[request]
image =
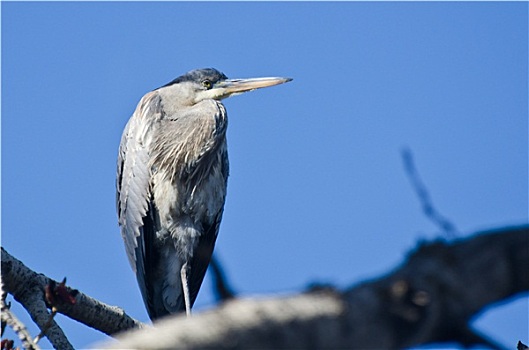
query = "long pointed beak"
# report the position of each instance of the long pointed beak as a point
(232, 87)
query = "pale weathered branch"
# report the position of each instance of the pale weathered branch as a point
(431, 298)
(28, 287)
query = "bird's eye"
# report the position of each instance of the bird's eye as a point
(206, 84)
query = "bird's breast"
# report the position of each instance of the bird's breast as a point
(189, 168)
(186, 208)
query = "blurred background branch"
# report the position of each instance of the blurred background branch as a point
(432, 297)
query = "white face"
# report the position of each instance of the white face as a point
(215, 94)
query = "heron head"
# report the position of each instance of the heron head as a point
(209, 83)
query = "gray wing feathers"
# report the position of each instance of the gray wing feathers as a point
(133, 177)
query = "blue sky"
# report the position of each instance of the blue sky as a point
(317, 190)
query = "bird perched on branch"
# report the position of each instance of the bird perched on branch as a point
(171, 184)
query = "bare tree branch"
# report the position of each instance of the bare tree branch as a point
(431, 298)
(28, 287)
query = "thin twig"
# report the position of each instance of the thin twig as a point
(46, 326)
(18, 327)
(424, 197)
(222, 289)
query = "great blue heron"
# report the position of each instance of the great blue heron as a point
(171, 184)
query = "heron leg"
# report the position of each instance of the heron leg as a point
(185, 287)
